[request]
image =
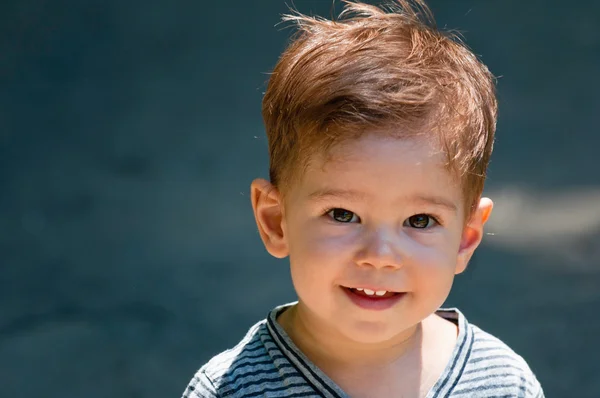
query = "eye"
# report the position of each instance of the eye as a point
(342, 215)
(420, 221)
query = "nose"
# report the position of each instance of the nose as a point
(382, 249)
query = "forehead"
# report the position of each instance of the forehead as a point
(417, 150)
(379, 165)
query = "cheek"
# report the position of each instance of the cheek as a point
(318, 240)
(434, 262)
(431, 273)
(313, 269)
(318, 257)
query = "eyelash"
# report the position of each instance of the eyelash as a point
(436, 219)
(330, 209)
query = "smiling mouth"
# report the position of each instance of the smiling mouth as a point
(372, 294)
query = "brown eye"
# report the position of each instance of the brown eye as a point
(342, 215)
(420, 221)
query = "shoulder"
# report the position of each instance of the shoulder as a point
(493, 367)
(221, 374)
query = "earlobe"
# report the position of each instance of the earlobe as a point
(268, 213)
(473, 233)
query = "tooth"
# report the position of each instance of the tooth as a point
(380, 292)
(369, 292)
(360, 289)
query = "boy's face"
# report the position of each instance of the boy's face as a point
(381, 214)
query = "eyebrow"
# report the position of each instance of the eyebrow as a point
(351, 195)
(438, 201)
(348, 194)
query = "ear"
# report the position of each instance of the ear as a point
(473, 233)
(268, 212)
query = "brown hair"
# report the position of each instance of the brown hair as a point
(384, 68)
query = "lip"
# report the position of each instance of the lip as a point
(375, 303)
(375, 289)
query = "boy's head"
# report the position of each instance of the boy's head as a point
(380, 130)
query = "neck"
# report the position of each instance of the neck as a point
(332, 351)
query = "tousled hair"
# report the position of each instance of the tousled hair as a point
(379, 68)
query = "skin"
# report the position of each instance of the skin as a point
(402, 229)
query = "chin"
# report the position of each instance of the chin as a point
(372, 332)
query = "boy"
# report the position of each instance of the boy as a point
(380, 130)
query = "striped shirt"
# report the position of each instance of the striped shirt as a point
(266, 363)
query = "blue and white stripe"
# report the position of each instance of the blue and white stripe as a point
(266, 363)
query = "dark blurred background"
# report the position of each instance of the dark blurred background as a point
(130, 132)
